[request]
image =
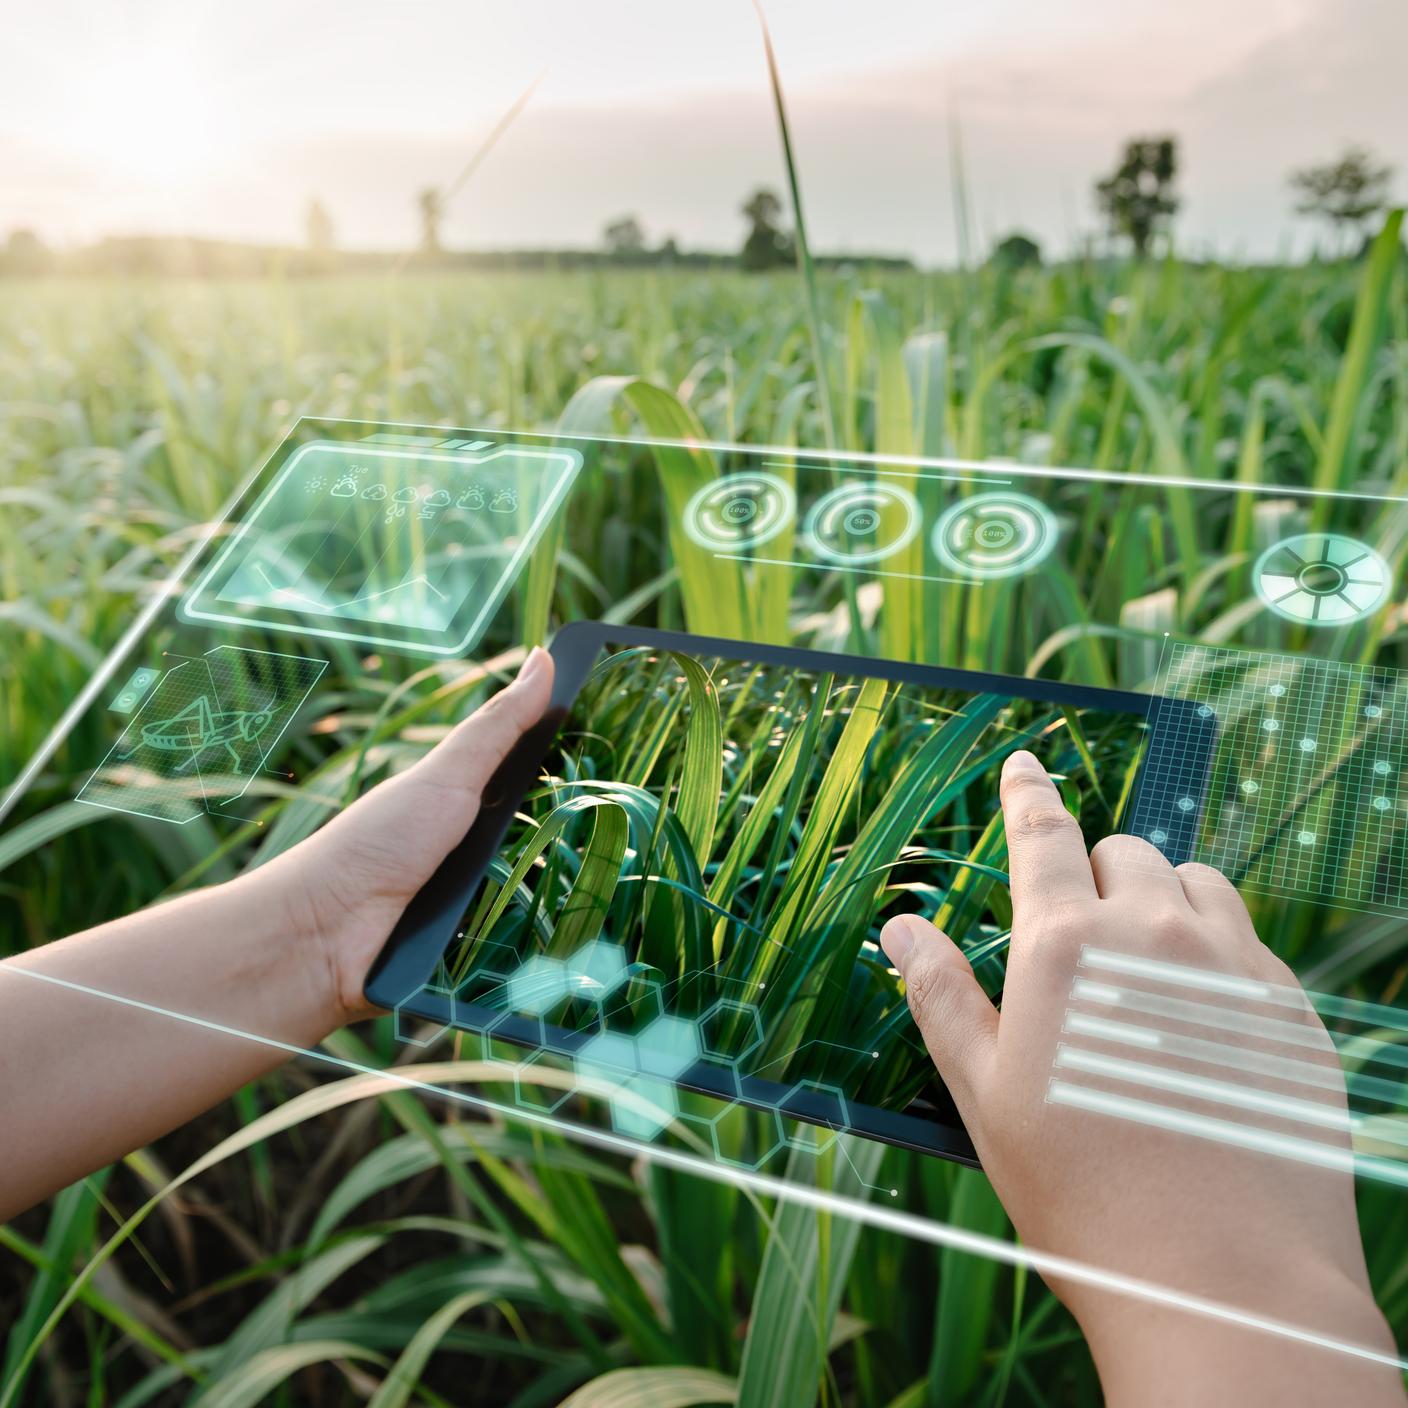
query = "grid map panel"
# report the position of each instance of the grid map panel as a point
(1304, 789)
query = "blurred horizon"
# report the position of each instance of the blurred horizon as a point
(222, 123)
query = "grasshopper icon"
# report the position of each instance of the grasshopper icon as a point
(198, 727)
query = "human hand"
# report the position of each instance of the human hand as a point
(1250, 1229)
(342, 890)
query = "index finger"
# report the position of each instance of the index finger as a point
(1045, 848)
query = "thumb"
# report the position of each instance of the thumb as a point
(393, 838)
(955, 1016)
(468, 756)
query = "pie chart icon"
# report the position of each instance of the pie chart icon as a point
(994, 535)
(740, 512)
(1322, 579)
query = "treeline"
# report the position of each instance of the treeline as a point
(192, 257)
(1138, 201)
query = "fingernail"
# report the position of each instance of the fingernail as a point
(897, 938)
(532, 666)
(1022, 761)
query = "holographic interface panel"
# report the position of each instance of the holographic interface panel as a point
(202, 735)
(403, 546)
(1306, 792)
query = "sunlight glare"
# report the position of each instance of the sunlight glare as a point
(146, 113)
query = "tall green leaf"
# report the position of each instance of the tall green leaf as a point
(801, 1283)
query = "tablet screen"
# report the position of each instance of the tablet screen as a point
(693, 889)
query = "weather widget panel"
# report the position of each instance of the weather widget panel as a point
(402, 547)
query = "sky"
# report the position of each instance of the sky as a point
(226, 119)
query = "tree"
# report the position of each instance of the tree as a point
(767, 244)
(432, 211)
(1138, 197)
(1017, 251)
(320, 231)
(625, 239)
(1345, 193)
(25, 253)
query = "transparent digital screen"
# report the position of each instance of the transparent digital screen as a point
(402, 547)
(1306, 790)
(203, 732)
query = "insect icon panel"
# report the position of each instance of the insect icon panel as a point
(405, 548)
(203, 735)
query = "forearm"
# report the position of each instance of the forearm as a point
(87, 1079)
(1151, 1357)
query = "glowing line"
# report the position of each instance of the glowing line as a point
(1096, 992)
(812, 1041)
(841, 567)
(906, 1224)
(1261, 1141)
(942, 478)
(1206, 1015)
(1118, 1031)
(421, 581)
(840, 1145)
(790, 453)
(1222, 1092)
(1275, 994)
(1375, 1013)
(1216, 1053)
(1181, 976)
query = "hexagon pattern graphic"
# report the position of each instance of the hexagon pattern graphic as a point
(537, 984)
(634, 1071)
(596, 969)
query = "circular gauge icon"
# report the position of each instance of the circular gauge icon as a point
(857, 523)
(994, 535)
(1322, 579)
(740, 511)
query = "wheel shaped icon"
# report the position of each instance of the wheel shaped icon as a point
(1322, 579)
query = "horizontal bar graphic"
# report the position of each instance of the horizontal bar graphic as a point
(1206, 1015)
(1265, 1141)
(1221, 1092)
(1218, 1053)
(1351, 1009)
(1180, 975)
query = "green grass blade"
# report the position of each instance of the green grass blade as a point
(802, 1280)
(268, 1324)
(701, 779)
(804, 253)
(965, 1312)
(272, 1368)
(654, 1388)
(396, 1388)
(1338, 463)
(584, 911)
(72, 1224)
(695, 1220)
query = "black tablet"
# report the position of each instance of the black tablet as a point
(677, 881)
